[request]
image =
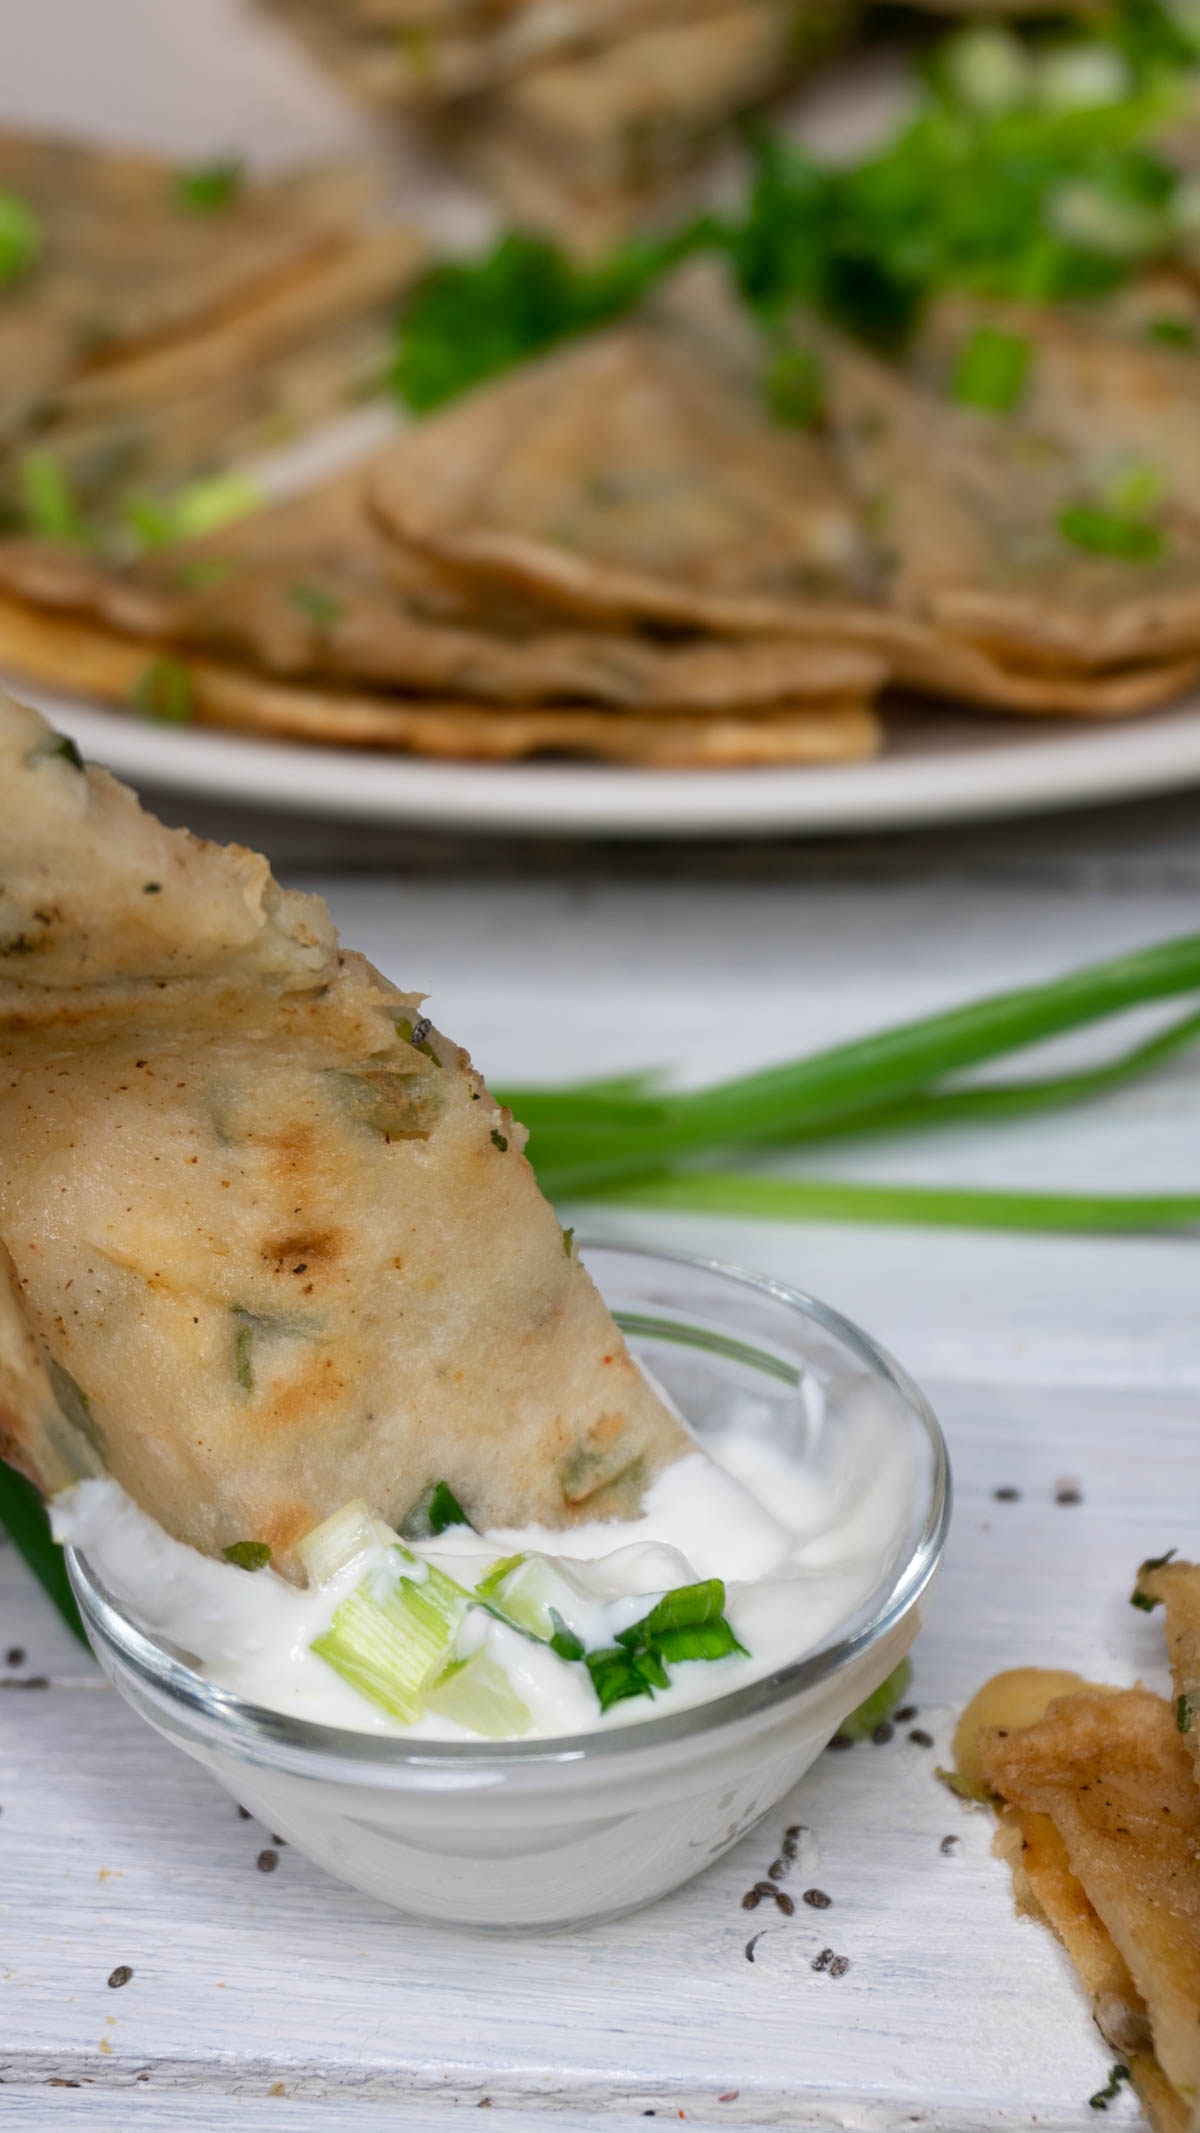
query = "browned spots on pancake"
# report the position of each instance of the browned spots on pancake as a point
(296, 1403)
(305, 1250)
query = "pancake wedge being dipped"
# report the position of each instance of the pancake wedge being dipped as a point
(267, 1243)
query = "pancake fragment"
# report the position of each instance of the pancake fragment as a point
(1176, 1586)
(1110, 1771)
(269, 1243)
(63, 652)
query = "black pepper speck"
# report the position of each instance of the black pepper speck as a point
(950, 1845)
(15, 1655)
(1007, 1495)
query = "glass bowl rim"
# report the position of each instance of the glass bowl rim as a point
(303, 1744)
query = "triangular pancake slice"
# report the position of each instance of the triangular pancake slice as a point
(270, 1242)
(1004, 529)
(133, 252)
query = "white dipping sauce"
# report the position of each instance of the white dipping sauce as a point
(801, 1543)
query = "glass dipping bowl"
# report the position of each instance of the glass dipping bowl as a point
(538, 1835)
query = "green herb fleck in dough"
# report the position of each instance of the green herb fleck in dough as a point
(208, 188)
(499, 1141)
(243, 1361)
(318, 606)
(20, 236)
(163, 691)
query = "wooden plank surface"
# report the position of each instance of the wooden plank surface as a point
(262, 1999)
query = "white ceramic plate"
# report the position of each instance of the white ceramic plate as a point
(945, 768)
(214, 78)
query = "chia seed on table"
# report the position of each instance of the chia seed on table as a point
(817, 1899)
(883, 1733)
(920, 1738)
(267, 1861)
(120, 1976)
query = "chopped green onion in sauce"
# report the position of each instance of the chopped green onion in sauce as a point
(247, 1555)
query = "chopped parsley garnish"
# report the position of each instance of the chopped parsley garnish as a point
(20, 236)
(1121, 534)
(163, 691)
(1026, 173)
(208, 188)
(318, 606)
(445, 1509)
(568, 1241)
(1187, 1707)
(471, 319)
(500, 1141)
(247, 1555)
(993, 370)
(564, 1641)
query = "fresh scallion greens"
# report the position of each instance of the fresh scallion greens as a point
(993, 370)
(1123, 534)
(20, 236)
(1028, 171)
(47, 505)
(26, 1521)
(394, 1635)
(576, 1153)
(879, 1705)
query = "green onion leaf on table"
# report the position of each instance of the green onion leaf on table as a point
(24, 1518)
(834, 1089)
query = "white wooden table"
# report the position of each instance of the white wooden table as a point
(281, 2001)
